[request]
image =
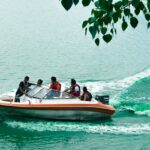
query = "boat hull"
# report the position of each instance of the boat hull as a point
(56, 114)
(58, 111)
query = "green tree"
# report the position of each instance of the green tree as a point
(105, 14)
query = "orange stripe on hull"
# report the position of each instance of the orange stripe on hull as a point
(82, 107)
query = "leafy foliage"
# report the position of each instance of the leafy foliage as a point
(105, 14)
(67, 4)
(133, 22)
(107, 38)
(86, 2)
(124, 26)
(97, 41)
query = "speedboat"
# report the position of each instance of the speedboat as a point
(40, 102)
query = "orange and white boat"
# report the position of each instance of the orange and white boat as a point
(39, 104)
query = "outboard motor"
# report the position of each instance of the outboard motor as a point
(103, 99)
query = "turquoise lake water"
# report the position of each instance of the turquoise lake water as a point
(40, 39)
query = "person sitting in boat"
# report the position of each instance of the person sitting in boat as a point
(86, 96)
(39, 82)
(55, 87)
(36, 88)
(74, 89)
(23, 88)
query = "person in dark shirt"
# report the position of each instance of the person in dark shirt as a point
(23, 88)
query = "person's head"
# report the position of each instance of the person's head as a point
(53, 79)
(26, 79)
(73, 81)
(84, 89)
(39, 82)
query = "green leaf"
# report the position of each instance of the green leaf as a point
(112, 31)
(135, 3)
(107, 38)
(97, 41)
(125, 2)
(67, 4)
(100, 21)
(93, 31)
(119, 13)
(147, 17)
(107, 20)
(84, 24)
(75, 2)
(91, 20)
(124, 25)
(141, 5)
(133, 22)
(127, 11)
(148, 5)
(105, 5)
(103, 30)
(131, 15)
(115, 17)
(86, 2)
(145, 10)
(137, 11)
(97, 4)
(96, 13)
(118, 5)
(138, 7)
(96, 25)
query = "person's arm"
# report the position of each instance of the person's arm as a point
(31, 84)
(86, 97)
(66, 90)
(81, 97)
(51, 86)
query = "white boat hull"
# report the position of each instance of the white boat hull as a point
(56, 114)
(59, 109)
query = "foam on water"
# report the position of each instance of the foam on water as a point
(116, 85)
(145, 113)
(133, 109)
(81, 127)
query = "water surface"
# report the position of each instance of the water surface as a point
(40, 39)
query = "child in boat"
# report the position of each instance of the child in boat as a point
(86, 96)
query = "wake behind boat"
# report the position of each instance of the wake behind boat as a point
(38, 103)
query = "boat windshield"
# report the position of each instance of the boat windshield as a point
(38, 92)
(43, 93)
(46, 93)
